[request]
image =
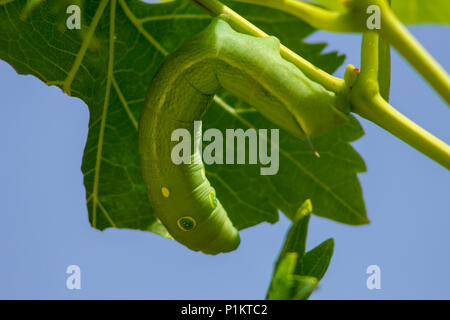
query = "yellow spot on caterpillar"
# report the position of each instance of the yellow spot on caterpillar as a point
(285, 74)
(246, 45)
(165, 192)
(203, 173)
(213, 199)
(186, 223)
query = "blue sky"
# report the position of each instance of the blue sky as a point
(44, 226)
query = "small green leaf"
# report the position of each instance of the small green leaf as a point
(304, 286)
(315, 262)
(282, 285)
(305, 209)
(297, 274)
(295, 240)
(288, 286)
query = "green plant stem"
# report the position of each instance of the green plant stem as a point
(315, 16)
(365, 97)
(216, 8)
(399, 37)
(377, 110)
(354, 20)
(368, 103)
(384, 67)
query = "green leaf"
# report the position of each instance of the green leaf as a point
(316, 261)
(296, 273)
(282, 284)
(109, 64)
(295, 240)
(422, 11)
(288, 286)
(304, 286)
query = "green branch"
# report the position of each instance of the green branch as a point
(315, 16)
(367, 102)
(354, 20)
(376, 109)
(401, 39)
(365, 96)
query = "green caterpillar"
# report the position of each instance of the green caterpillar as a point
(251, 69)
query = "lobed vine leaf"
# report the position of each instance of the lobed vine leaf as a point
(109, 64)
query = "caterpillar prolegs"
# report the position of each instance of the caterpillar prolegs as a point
(249, 68)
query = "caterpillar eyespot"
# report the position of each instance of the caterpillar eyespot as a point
(186, 223)
(213, 199)
(249, 68)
